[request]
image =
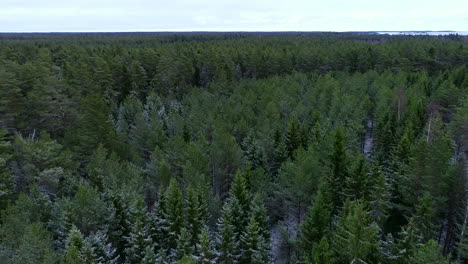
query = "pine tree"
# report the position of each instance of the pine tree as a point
(227, 243)
(205, 251)
(357, 237)
(254, 248)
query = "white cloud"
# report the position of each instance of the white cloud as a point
(251, 15)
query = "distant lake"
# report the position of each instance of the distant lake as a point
(431, 33)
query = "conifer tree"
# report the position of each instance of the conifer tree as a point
(120, 225)
(150, 257)
(227, 243)
(173, 214)
(187, 260)
(317, 222)
(75, 243)
(380, 197)
(339, 171)
(6, 177)
(156, 227)
(240, 201)
(184, 245)
(358, 184)
(357, 237)
(205, 250)
(253, 153)
(422, 220)
(292, 139)
(137, 242)
(195, 214)
(102, 250)
(429, 253)
(259, 212)
(254, 247)
(280, 152)
(321, 253)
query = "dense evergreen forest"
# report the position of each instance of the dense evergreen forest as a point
(230, 148)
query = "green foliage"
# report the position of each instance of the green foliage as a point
(356, 238)
(254, 247)
(205, 253)
(6, 176)
(129, 144)
(339, 171)
(227, 243)
(316, 224)
(429, 253)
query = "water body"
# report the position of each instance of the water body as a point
(429, 33)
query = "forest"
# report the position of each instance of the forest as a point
(233, 148)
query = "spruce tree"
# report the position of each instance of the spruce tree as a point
(429, 253)
(254, 247)
(358, 184)
(102, 250)
(292, 139)
(6, 177)
(205, 250)
(280, 153)
(75, 243)
(259, 212)
(253, 153)
(195, 214)
(240, 202)
(174, 214)
(227, 243)
(380, 197)
(184, 245)
(317, 222)
(339, 171)
(321, 253)
(422, 220)
(156, 227)
(150, 256)
(356, 238)
(137, 242)
(120, 225)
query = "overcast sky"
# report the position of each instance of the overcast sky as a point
(239, 15)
